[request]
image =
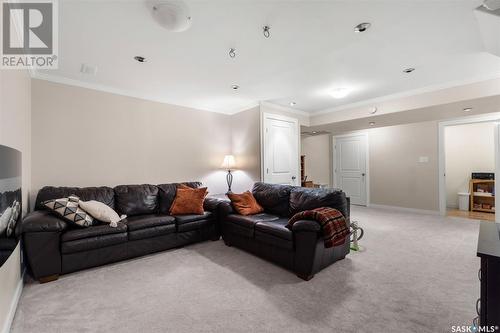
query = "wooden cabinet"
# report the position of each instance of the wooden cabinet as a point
(482, 195)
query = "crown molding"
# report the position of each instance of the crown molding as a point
(285, 108)
(103, 88)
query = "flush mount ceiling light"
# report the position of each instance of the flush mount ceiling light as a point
(139, 59)
(293, 103)
(467, 109)
(371, 123)
(362, 27)
(491, 4)
(340, 92)
(408, 70)
(172, 15)
(373, 110)
(235, 87)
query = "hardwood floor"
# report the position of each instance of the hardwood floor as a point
(471, 215)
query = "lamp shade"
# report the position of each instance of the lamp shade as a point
(229, 162)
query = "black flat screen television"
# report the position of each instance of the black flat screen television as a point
(10, 200)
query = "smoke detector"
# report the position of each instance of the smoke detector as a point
(172, 15)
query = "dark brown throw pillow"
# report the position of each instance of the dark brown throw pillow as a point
(245, 203)
(188, 200)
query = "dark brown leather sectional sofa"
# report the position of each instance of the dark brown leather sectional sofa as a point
(301, 249)
(54, 247)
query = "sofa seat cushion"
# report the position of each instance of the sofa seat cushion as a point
(91, 243)
(182, 219)
(151, 232)
(148, 221)
(193, 222)
(94, 231)
(276, 228)
(249, 221)
(245, 225)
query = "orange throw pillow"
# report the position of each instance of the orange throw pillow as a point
(245, 203)
(188, 201)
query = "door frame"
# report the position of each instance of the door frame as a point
(263, 123)
(492, 117)
(367, 159)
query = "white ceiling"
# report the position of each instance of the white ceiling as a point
(312, 50)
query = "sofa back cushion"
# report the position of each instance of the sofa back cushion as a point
(103, 194)
(275, 199)
(136, 199)
(302, 198)
(166, 194)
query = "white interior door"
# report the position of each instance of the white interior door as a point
(280, 150)
(350, 167)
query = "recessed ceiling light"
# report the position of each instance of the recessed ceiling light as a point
(371, 123)
(235, 87)
(293, 103)
(340, 92)
(362, 27)
(467, 109)
(139, 59)
(408, 70)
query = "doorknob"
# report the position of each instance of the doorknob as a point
(293, 177)
(363, 174)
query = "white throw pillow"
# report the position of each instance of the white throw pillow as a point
(4, 220)
(101, 212)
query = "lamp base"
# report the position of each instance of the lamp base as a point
(229, 180)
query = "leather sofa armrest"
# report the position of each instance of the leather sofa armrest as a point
(40, 221)
(306, 225)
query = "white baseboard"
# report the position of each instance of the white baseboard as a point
(13, 305)
(405, 209)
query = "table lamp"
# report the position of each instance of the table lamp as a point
(229, 163)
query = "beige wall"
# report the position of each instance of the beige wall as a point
(397, 178)
(317, 158)
(468, 148)
(245, 129)
(15, 131)
(84, 137)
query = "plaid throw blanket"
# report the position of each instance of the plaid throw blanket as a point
(332, 222)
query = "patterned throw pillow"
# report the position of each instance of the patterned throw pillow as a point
(68, 209)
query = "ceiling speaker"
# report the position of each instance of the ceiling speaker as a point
(172, 15)
(491, 4)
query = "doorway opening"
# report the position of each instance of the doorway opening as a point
(468, 164)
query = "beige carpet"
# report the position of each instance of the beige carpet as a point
(418, 273)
